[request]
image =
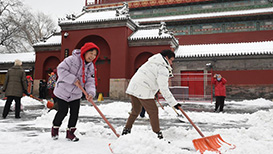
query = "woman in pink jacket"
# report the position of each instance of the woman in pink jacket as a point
(75, 70)
(220, 91)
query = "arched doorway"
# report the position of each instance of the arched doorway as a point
(141, 59)
(50, 64)
(102, 64)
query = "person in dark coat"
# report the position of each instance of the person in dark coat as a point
(42, 89)
(220, 91)
(14, 87)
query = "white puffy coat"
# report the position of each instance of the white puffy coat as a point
(151, 77)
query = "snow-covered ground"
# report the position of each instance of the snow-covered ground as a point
(252, 133)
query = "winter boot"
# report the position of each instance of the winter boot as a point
(70, 134)
(126, 131)
(55, 132)
(159, 135)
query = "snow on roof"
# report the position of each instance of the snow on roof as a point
(55, 39)
(148, 34)
(92, 16)
(24, 57)
(231, 49)
(206, 15)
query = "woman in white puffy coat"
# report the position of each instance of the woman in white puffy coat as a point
(150, 78)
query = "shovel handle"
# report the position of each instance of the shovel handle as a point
(165, 110)
(159, 103)
(197, 129)
(39, 99)
(176, 112)
(36, 98)
(101, 114)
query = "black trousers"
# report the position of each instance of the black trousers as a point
(63, 107)
(220, 101)
(42, 93)
(142, 113)
(8, 104)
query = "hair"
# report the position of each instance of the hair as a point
(168, 53)
(17, 62)
(92, 50)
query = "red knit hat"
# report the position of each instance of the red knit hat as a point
(30, 78)
(84, 49)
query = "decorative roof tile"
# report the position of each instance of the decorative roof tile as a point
(157, 31)
(230, 49)
(148, 34)
(55, 39)
(24, 57)
(96, 15)
(206, 15)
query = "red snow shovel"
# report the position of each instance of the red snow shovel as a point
(4, 98)
(210, 143)
(49, 104)
(101, 114)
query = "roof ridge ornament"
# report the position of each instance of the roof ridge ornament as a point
(123, 11)
(163, 29)
(71, 16)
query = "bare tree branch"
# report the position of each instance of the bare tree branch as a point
(20, 28)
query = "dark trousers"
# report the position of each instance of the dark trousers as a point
(42, 93)
(142, 113)
(220, 100)
(63, 107)
(150, 107)
(8, 104)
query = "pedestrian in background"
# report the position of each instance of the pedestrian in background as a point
(142, 113)
(50, 86)
(74, 71)
(14, 86)
(151, 77)
(219, 91)
(42, 89)
(51, 82)
(29, 84)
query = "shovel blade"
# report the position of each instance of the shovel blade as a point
(181, 118)
(210, 143)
